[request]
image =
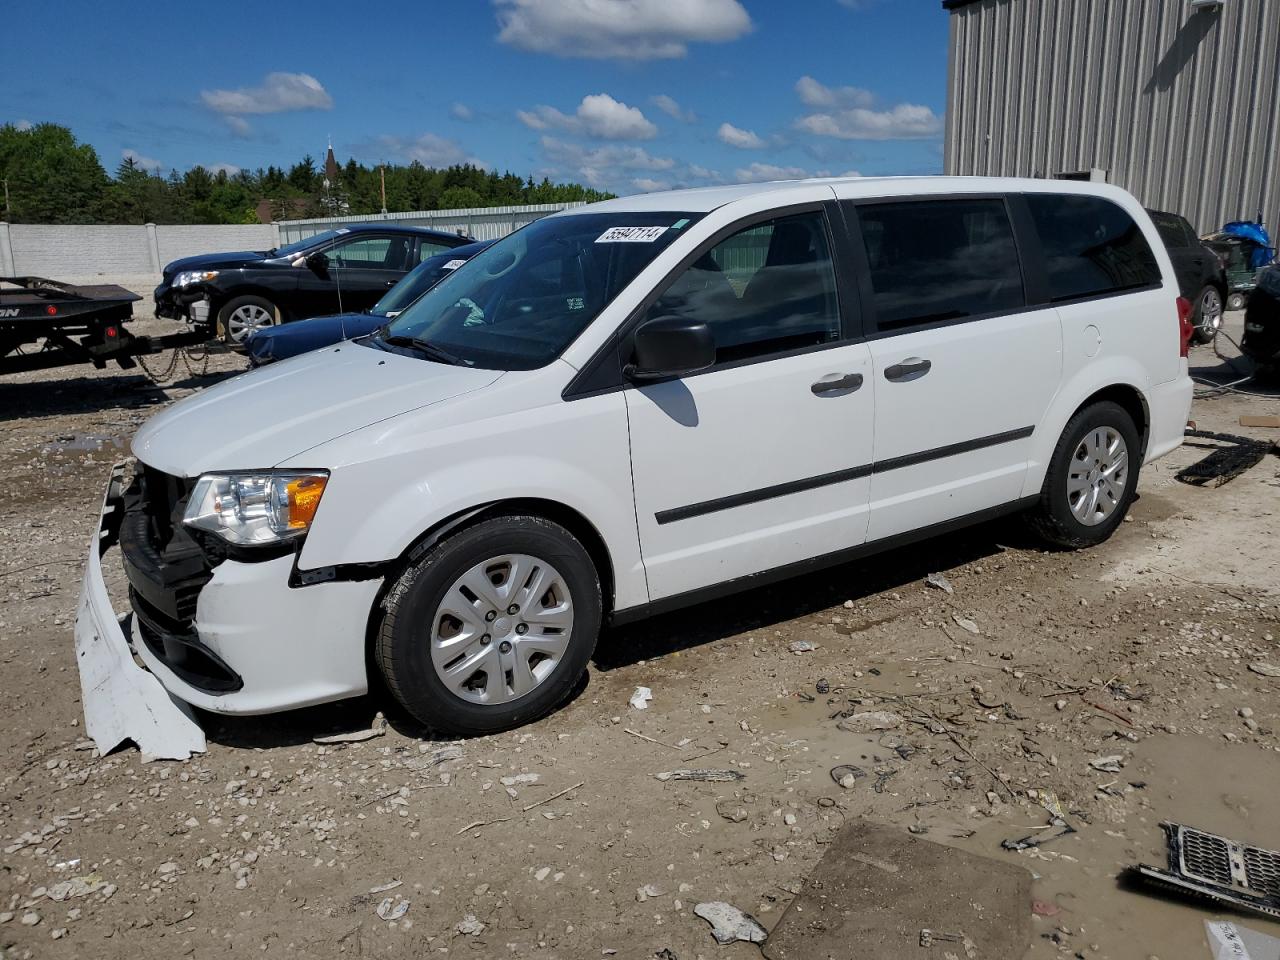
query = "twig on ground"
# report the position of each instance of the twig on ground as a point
(481, 823)
(635, 733)
(554, 796)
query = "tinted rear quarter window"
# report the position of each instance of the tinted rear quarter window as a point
(1092, 247)
(940, 260)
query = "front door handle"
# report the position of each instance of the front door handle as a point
(838, 383)
(912, 368)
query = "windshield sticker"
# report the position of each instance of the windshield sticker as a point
(631, 235)
(680, 224)
(343, 230)
(453, 264)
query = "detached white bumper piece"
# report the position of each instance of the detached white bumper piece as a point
(121, 700)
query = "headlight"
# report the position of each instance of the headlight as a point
(251, 509)
(188, 277)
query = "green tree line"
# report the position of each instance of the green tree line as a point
(52, 178)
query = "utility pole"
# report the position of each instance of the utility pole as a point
(382, 173)
(6, 199)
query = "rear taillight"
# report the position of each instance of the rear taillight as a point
(1184, 325)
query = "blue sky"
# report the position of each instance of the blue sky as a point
(625, 95)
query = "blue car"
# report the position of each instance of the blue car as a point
(270, 344)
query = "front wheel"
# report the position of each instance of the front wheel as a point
(1207, 320)
(241, 316)
(1091, 478)
(1236, 301)
(492, 628)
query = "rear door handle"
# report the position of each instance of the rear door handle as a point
(912, 368)
(837, 383)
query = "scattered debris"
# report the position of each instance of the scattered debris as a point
(871, 721)
(1207, 865)
(823, 686)
(939, 582)
(435, 758)
(384, 887)
(734, 813)
(392, 909)
(76, 887)
(554, 796)
(469, 926)
(647, 892)
(1111, 764)
(376, 729)
(640, 699)
(713, 776)
(1057, 823)
(1265, 669)
(519, 780)
(847, 775)
(1223, 464)
(801, 646)
(637, 733)
(964, 623)
(1259, 420)
(1045, 908)
(1229, 942)
(481, 823)
(729, 924)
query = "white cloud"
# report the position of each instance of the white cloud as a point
(429, 149)
(619, 29)
(598, 115)
(239, 126)
(906, 121)
(230, 169)
(649, 185)
(816, 94)
(856, 4)
(460, 111)
(278, 93)
(142, 161)
(760, 172)
(24, 125)
(673, 109)
(737, 137)
(602, 167)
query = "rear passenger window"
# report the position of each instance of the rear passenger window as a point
(936, 260)
(764, 290)
(1092, 247)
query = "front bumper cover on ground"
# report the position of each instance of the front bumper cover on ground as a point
(121, 700)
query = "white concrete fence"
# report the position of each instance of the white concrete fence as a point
(135, 255)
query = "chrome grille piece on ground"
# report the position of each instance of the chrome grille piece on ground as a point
(1204, 864)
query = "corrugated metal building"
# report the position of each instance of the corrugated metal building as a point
(1177, 101)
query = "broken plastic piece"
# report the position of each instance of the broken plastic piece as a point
(1206, 865)
(714, 776)
(1229, 942)
(729, 924)
(121, 700)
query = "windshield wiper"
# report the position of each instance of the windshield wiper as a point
(426, 348)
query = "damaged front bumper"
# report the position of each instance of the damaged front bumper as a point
(121, 700)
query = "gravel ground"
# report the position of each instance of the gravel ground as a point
(560, 840)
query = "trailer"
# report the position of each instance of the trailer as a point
(44, 323)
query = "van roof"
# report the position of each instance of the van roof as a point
(706, 199)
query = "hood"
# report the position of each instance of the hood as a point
(266, 416)
(216, 261)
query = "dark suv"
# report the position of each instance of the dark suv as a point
(1201, 277)
(341, 270)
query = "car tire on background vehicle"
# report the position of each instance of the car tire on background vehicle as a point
(1236, 301)
(1091, 479)
(240, 316)
(1207, 319)
(492, 627)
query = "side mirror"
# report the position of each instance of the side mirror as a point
(318, 263)
(670, 347)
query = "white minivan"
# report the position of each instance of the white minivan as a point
(638, 404)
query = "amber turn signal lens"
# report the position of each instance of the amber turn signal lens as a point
(304, 497)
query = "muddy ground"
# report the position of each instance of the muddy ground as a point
(1037, 664)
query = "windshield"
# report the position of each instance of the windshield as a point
(306, 243)
(417, 281)
(518, 304)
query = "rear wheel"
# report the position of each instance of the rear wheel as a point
(241, 316)
(1207, 320)
(1236, 301)
(493, 627)
(1091, 479)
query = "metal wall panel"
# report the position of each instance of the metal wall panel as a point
(483, 223)
(1177, 105)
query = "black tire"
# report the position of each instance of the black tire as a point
(237, 303)
(403, 644)
(1052, 518)
(1204, 326)
(1237, 301)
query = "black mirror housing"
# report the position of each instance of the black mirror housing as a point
(671, 346)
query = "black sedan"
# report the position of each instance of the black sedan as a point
(348, 268)
(1262, 321)
(270, 344)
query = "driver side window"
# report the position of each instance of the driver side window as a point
(767, 289)
(370, 253)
